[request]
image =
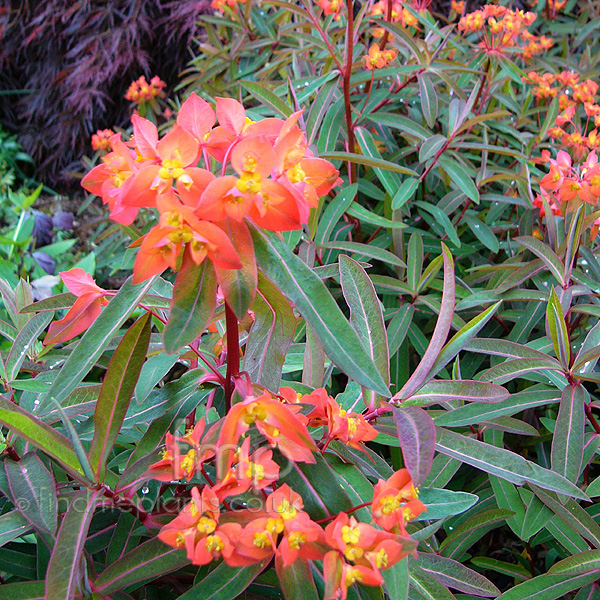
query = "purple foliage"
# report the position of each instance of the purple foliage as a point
(44, 260)
(75, 61)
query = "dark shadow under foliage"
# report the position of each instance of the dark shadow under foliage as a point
(65, 67)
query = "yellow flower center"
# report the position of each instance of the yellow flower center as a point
(188, 463)
(296, 540)
(180, 540)
(253, 413)
(261, 539)
(249, 182)
(171, 169)
(214, 544)
(353, 553)
(206, 525)
(255, 471)
(181, 236)
(286, 510)
(352, 576)
(381, 560)
(389, 504)
(296, 174)
(274, 526)
(350, 535)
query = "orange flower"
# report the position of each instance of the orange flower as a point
(376, 59)
(141, 91)
(85, 310)
(101, 139)
(273, 419)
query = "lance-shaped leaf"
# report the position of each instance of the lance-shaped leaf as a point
(224, 583)
(24, 590)
(568, 440)
(12, 525)
(416, 433)
(558, 330)
(455, 575)
(549, 587)
(462, 337)
(313, 365)
(34, 489)
(366, 317)
(117, 389)
(517, 367)
(296, 580)
(96, 339)
(546, 254)
(503, 463)
(415, 260)
(193, 303)
(40, 435)
(239, 285)
(270, 336)
(65, 567)
(23, 342)
(426, 585)
(440, 333)
(303, 287)
(465, 390)
(586, 562)
(444, 503)
(147, 561)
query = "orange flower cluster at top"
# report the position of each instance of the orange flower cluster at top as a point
(400, 15)
(101, 139)
(376, 59)
(500, 29)
(566, 182)
(458, 6)
(274, 523)
(572, 94)
(141, 91)
(221, 4)
(275, 182)
(331, 7)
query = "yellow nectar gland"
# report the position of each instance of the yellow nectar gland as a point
(188, 463)
(249, 182)
(352, 576)
(261, 539)
(351, 426)
(381, 560)
(255, 471)
(254, 413)
(214, 544)
(286, 510)
(171, 169)
(183, 235)
(119, 178)
(206, 525)
(296, 540)
(180, 540)
(274, 526)
(350, 535)
(389, 504)
(296, 174)
(353, 553)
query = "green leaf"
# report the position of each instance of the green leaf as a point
(360, 212)
(296, 580)
(483, 233)
(305, 289)
(65, 567)
(548, 587)
(568, 440)
(546, 254)
(537, 515)
(558, 331)
(376, 163)
(239, 285)
(440, 333)
(390, 181)
(503, 463)
(444, 503)
(427, 585)
(455, 575)
(405, 192)
(333, 213)
(586, 562)
(34, 488)
(270, 336)
(366, 250)
(403, 124)
(414, 268)
(25, 590)
(366, 317)
(517, 367)
(460, 177)
(41, 436)
(147, 561)
(193, 304)
(95, 340)
(438, 391)
(265, 96)
(429, 99)
(12, 525)
(442, 220)
(117, 389)
(431, 146)
(27, 335)
(224, 583)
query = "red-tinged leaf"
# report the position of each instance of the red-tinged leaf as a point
(25, 590)
(585, 562)
(366, 317)
(517, 367)
(270, 336)
(549, 587)
(557, 328)
(117, 389)
(546, 254)
(313, 366)
(12, 526)
(416, 433)
(224, 583)
(465, 390)
(81, 315)
(65, 569)
(455, 575)
(440, 333)
(239, 285)
(32, 484)
(429, 99)
(27, 336)
(503, 463)
(147, 561)
(296, 580)
(426, 585)
(193, 304)
(568, 441)
(41, 436)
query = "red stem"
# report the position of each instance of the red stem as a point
(233, 354)
(350, 510)
(346, 86)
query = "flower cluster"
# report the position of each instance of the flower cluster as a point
(274, 180)
(331, 7)
(101, 140)
(501, 29)
(572, 94)
(399, 15)
(221, 4)
(141, 91)
(376, 59)
(458, 6)
(273, 522)
(568, 183)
